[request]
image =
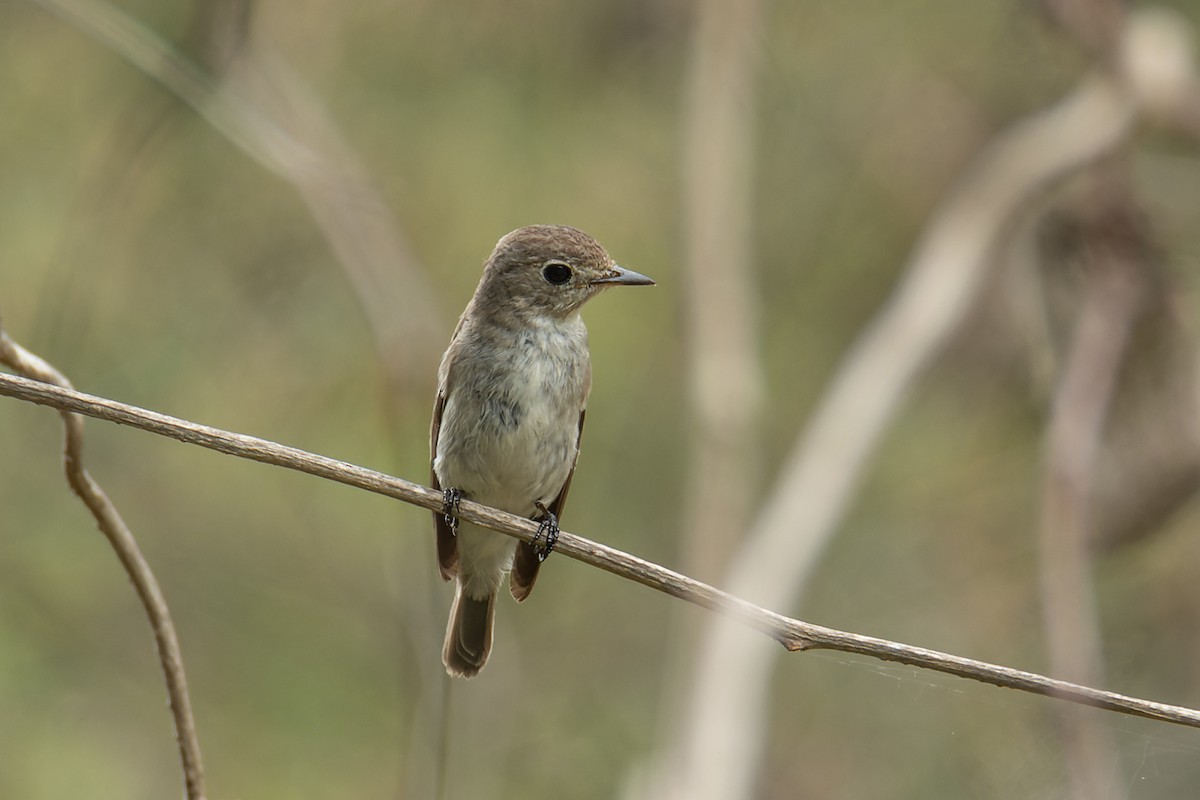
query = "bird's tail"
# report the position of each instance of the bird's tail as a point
(469, 634)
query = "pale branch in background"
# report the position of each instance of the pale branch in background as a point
(1117, 265)
(721, 312)
(1070, 618)
(793, 634)
(136, 567)
(248, 92)
(1145, 473)
(725, 373)
(263, 108)
(718, 752)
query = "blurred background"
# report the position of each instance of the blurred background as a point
(279, 241)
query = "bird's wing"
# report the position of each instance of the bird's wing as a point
(526, 562)
(447, 542)
(556, 507)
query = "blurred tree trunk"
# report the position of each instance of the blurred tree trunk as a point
(722, 311)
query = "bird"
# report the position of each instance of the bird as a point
(511, 399)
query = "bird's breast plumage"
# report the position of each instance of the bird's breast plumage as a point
(510, 423)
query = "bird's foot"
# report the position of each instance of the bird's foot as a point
(547, 533)
(450, 500)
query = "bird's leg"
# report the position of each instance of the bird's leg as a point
(450, 501)
(547, 532)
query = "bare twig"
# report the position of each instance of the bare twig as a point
(721, 311)
(119, 536)
(793, 634)
(718, 753)
(719, 750)
(1148, 471)
(1151, 467)
(1118, 282)
(1072, 630)
(263, 108)
(725, 378)
(248, 93)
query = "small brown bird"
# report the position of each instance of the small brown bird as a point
(512, 389)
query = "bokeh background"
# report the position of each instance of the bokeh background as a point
(159, 253)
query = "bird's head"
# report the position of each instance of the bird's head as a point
(551, 270)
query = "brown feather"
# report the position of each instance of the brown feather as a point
(526, 562)
(469, 634)
(447, 542)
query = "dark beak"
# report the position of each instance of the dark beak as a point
(619, 276)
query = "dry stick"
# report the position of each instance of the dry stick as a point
(722, 314)
(793, 634)
(1157, 468)
(258, 102)
(1111, 300)
(1070, 618)
(119, 536)
(1077, 418)
(265, 110)
(718, 750)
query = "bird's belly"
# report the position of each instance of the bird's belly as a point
(525, 467)
(510, 453)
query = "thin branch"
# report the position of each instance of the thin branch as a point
(720, 747)
(1146, 472)
(136, 567)
(1071, 625)
(725, 373)
(721, 312)
(793, 634)
(263, 108)
(1074, 437)
(719, 750)
(249, 93)
(1116, 278)
(1118, 284)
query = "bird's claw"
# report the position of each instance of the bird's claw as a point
(450, 500)
(547, 533)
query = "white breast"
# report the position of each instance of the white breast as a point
(510, 423)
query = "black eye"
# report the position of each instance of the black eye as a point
(556, 272)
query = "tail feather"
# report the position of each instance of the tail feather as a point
(524, 571)
(469, 634)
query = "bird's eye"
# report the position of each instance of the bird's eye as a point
(556, 272)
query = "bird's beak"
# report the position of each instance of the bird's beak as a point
(619, 276)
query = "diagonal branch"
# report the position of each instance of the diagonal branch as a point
(717, 750)
(793, 634)
(119, 536)
(1111, 306)
(261, 107)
